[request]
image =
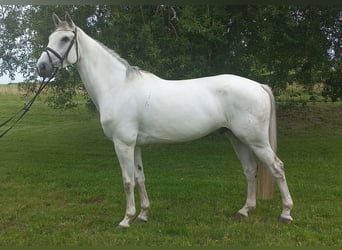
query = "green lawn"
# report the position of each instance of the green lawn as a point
(60, 184)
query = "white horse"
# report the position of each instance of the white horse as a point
(137, 108)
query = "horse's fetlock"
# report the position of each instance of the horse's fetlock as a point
(288, 205)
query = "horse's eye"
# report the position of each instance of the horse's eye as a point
(65, 39)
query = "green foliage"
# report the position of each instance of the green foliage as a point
(276, 45)
(64, 92)
(333, 88)
(15, 46)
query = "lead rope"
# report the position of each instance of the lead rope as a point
(27, 106)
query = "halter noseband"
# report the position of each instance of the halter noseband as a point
(62, 58)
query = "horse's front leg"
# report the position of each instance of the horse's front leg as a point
(125, 155)
(140, 181)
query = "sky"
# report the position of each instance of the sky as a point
(5, 79)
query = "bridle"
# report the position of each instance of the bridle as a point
(56, 54)
(43, 84)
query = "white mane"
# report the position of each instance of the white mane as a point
(130, 70)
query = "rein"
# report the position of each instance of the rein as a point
(20, 114)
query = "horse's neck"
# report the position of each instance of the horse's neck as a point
(100, 72)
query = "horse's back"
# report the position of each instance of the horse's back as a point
(170, 111)
(224, 92)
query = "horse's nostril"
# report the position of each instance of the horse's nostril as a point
(44, 69)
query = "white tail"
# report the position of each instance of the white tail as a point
(265, 178)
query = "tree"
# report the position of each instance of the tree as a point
(333, 82)
(15, 47)
(276, 45)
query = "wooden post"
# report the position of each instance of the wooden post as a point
(265, 181)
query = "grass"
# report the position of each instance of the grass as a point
(60, 185)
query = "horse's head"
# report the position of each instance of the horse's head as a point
(62, 49)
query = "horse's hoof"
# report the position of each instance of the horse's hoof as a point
(141, 219)
(241, 215)
(123, 226)
(286, 220)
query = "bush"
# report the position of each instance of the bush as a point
(333, 86)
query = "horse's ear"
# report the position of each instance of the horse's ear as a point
(56, 19)
(68, 19)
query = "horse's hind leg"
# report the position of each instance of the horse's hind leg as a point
(276, 166)
(140, 182)
(249, 165)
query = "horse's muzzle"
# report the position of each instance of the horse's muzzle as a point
(44, 68)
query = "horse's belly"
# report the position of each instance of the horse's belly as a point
(178, 126)
(168, 136)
